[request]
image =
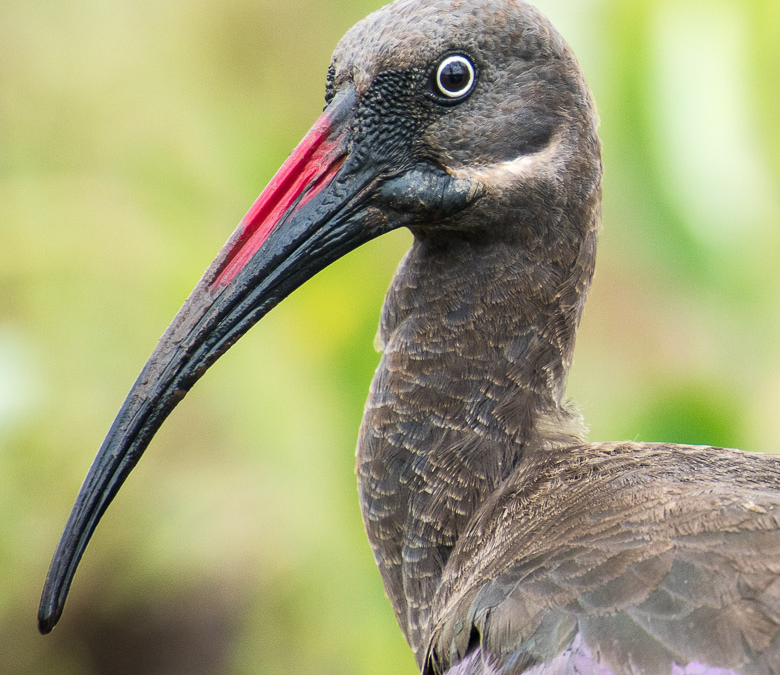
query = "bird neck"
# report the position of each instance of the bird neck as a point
(479, 336)
(477, 339)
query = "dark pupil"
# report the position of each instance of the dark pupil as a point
(453, 77)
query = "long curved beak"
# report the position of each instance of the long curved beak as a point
(313, 211)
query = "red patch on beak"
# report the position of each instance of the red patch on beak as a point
(310, 167)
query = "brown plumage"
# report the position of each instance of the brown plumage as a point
(506, 543)
(657, 554)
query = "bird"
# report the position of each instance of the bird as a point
(507, 543)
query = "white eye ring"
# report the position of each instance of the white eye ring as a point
(468, 80)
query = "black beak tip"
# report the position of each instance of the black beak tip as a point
(50, 609)
(47, 619)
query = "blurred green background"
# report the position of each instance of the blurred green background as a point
(133, 136)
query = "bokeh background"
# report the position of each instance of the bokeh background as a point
(133, 136)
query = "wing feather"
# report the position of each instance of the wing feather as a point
(619, 559)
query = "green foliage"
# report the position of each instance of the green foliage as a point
(133, 135)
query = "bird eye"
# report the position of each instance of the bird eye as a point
(455, 77)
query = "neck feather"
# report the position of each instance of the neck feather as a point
(477, 341)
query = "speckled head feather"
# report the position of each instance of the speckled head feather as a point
(409, 33)
(529, 81)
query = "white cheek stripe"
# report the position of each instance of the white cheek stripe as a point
(502, 173)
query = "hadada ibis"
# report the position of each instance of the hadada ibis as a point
(507, 544)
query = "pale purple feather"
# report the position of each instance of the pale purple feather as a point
(577, 659)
